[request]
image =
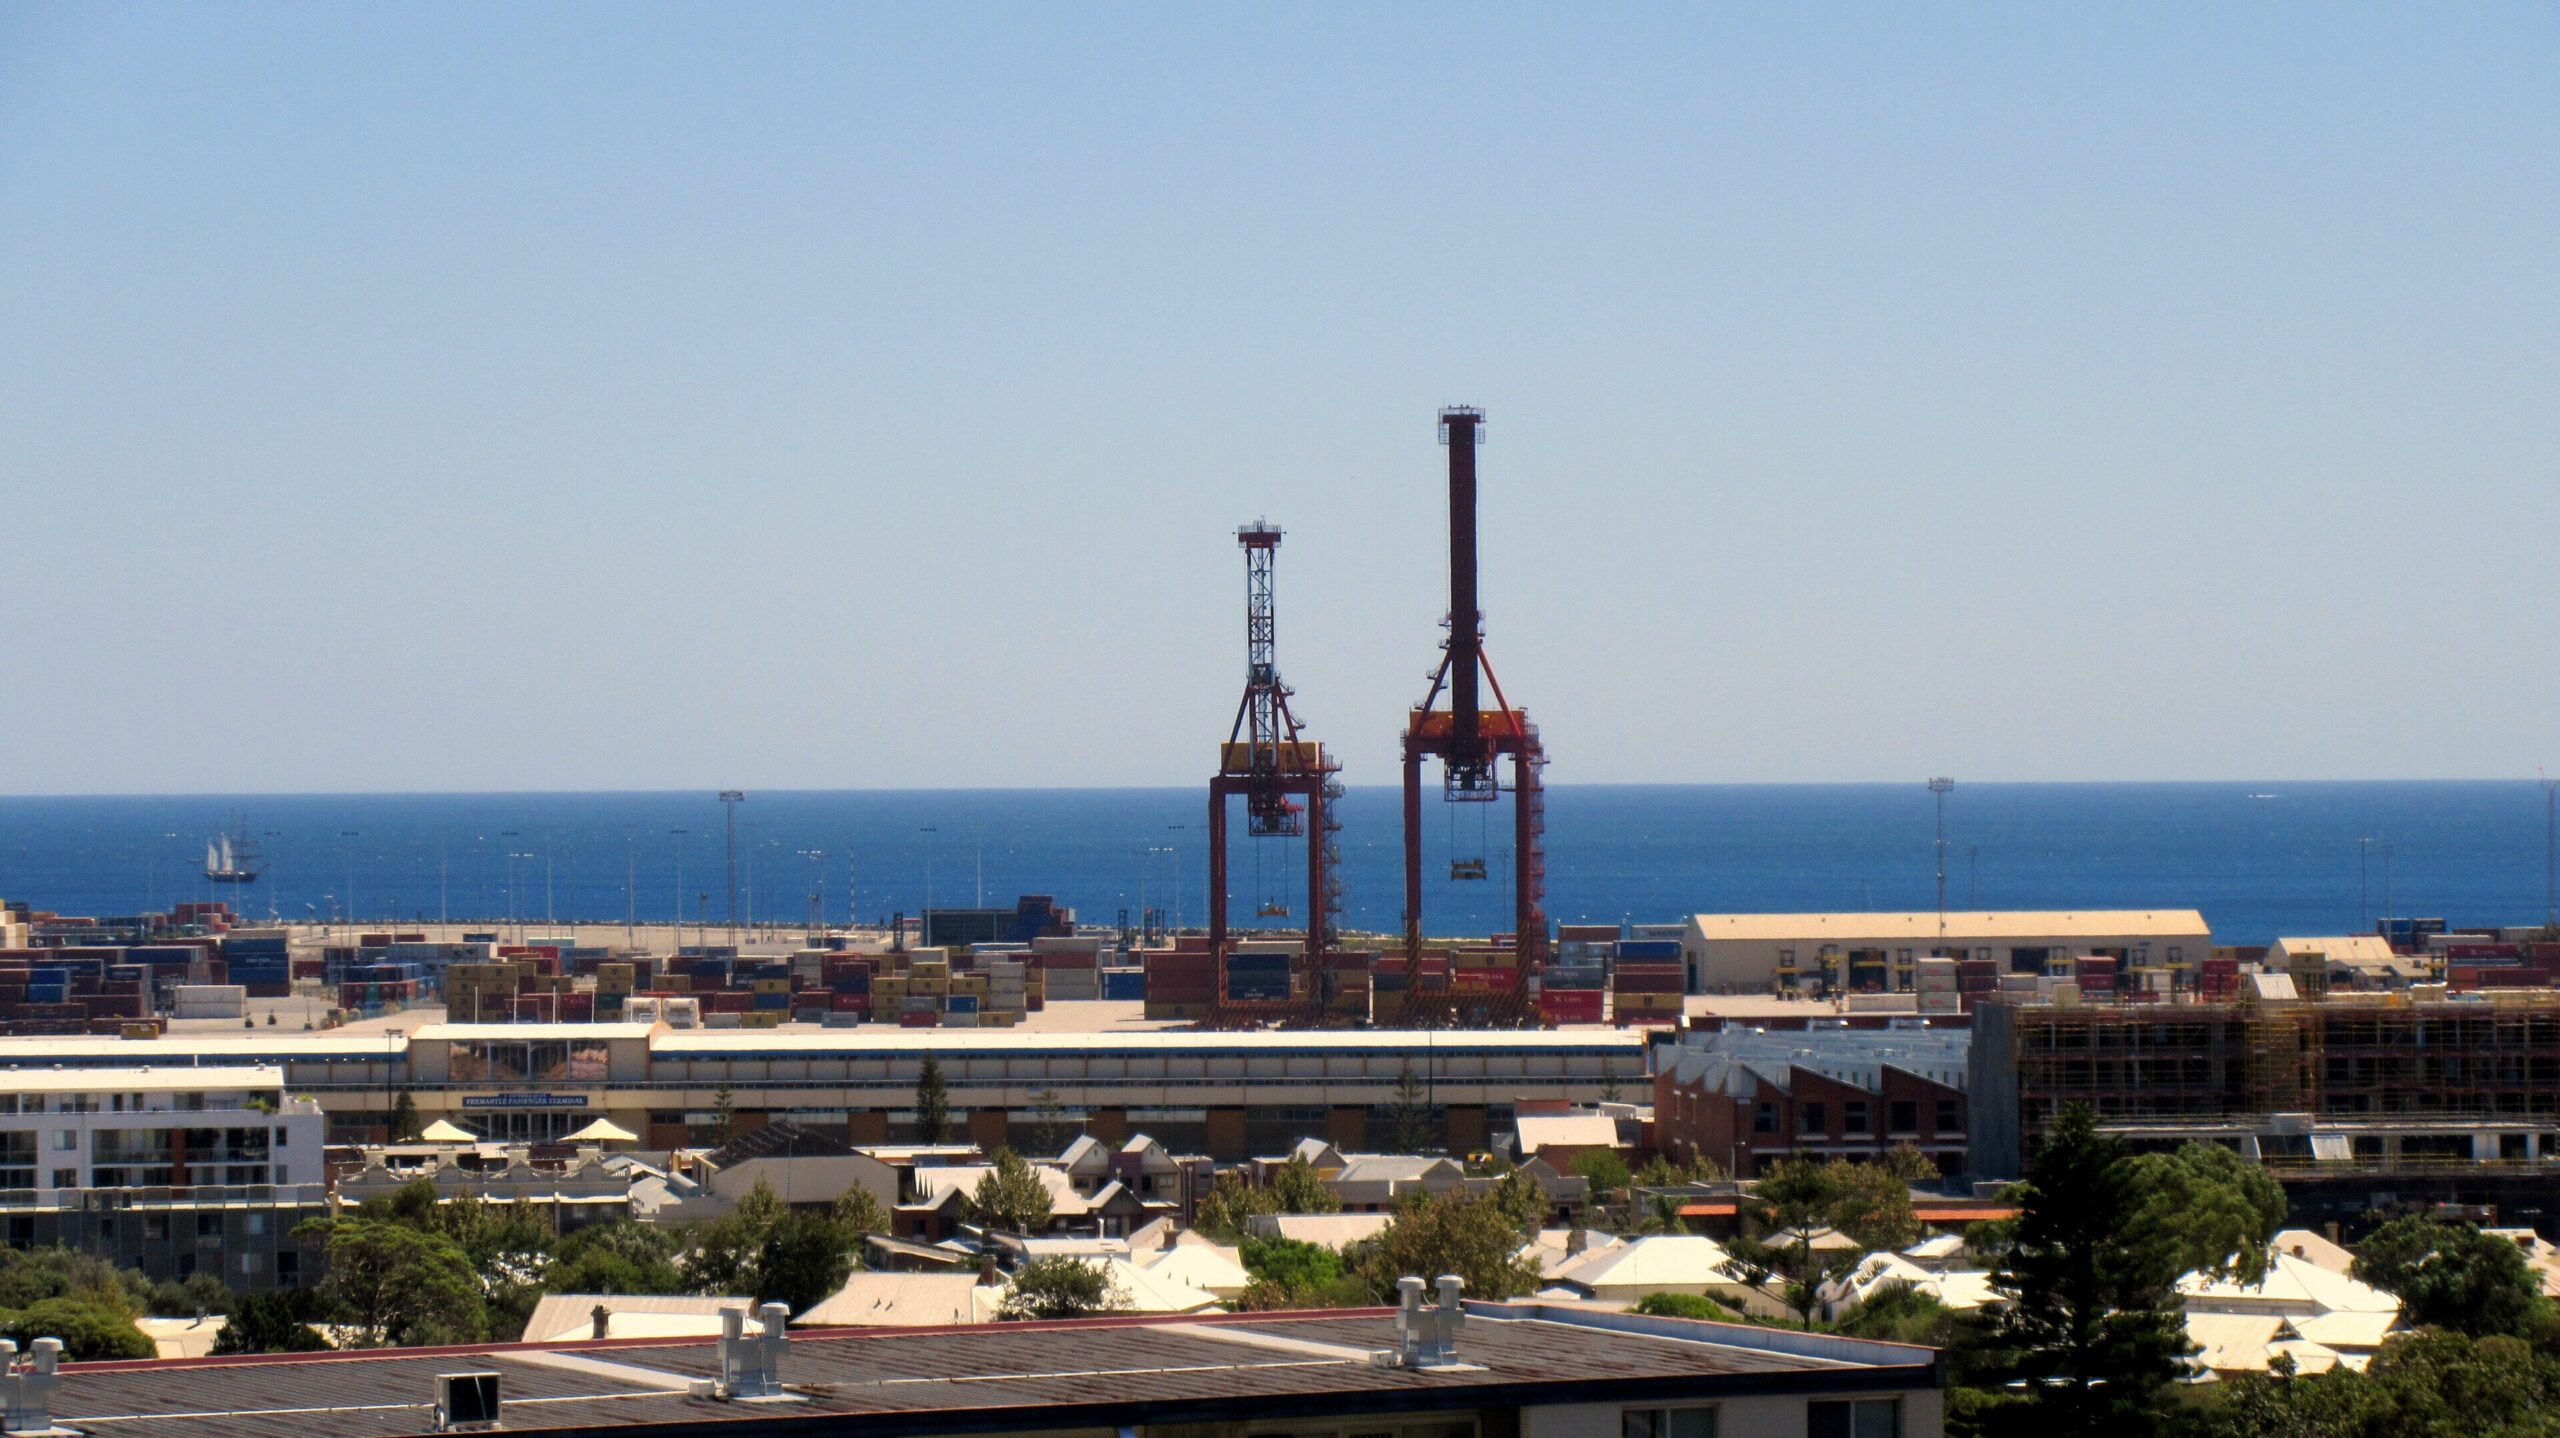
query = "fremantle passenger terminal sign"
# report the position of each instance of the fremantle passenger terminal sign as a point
(524, 1100)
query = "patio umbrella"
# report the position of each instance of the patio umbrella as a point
(446, 1131)
(604, 1130)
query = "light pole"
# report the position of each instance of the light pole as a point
(730, 799)
(923, 916)
(982, 866)
(2364, 892)
(508, 853)
(2550, 853)
(1176, 851)
(347, 848)
(2386, 883)
(678, 836)
(1941, 787)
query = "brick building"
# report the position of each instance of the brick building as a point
(1746, 1096)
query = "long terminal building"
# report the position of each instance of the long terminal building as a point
(1229, 1095)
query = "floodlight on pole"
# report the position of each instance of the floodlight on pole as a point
(730, 799)
(1941, 787)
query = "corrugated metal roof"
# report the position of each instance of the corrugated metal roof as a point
(1021, 1376)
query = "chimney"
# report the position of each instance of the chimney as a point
(1577, 1241)
(602, 1318)
(987, 1276)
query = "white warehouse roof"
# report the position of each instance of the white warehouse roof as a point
(1922, 925)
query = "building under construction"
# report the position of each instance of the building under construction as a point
(2355, 1101)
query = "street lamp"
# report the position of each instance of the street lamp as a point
(1176, 851)
(346, 848)
(678, 836)
(1941, 788)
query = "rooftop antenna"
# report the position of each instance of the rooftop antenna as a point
(1941, 787)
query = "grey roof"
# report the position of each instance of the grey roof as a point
(1077, 1375)
(779, 1139)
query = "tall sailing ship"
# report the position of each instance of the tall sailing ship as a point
(232, 859)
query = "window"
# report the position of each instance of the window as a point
(66, 1140)
(257, 1223)
(1858, 1418)
(1904, 1116)
(1810, 1118)
(288, 1269)
(66, 1178)
(208, 1225)
(1853, 1116)
(155, 1226)
(1950, 1116)
(1764, 1118)
(1667, 1423)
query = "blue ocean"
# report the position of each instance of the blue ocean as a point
(2257, 859)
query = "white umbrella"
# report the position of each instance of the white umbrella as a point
(446, 1131)
(604, 1130)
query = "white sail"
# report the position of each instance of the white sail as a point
(226, 853)
(211, 862)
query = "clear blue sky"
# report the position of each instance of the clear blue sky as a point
(482, 397)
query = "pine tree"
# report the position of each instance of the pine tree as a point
(1010, 1198)
(405, 1127)
(1410, 1129)
(2095, 1328)
(933, 1102)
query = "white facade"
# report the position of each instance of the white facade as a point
(1751, 953)
(71, 1130)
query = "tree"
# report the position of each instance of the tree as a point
(1049, 1135)
(2452, 1275)
(616, 1257)
(1910, 1167)
(1010, 1198)
(1898, 1313)
(87, 1302)
(1664, 1171)
(1685, 1305)
(1296, 1188)
(1410, 1128)
(2216, 1210)
(87, 1329)
(1604, 1170)
(2428, 1384)
(1060, 1288)
(1230, 1204)
(933, 1102)
(859, 1213)
(1289, 1273)
(391, 1285)
(724, 1113)
(1522, 1199)
(1466, 1234)
(1802, 1195)
(767, 1251)
(405, 1127)
(277, 1322)
(1609, 1091)
(2094, 1328)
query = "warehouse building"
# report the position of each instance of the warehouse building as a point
(1228, 1095)
(1498, 1370)
(1755, 953)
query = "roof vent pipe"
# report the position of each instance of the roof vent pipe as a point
(1426, 1334)
(751, 1365)
(27, 1384)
